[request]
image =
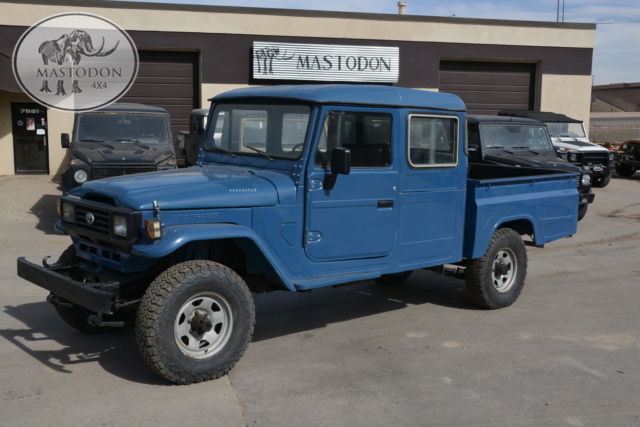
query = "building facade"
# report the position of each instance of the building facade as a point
(190, 53)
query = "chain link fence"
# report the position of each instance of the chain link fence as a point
(614, 133)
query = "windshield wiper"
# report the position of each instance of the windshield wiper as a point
(98, 141)
(222, 150)
(527, 148)
(259, 151)
(135, 141)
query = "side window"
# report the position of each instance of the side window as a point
(367, 135)
(433, 141)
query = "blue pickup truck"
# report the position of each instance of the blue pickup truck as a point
(297, 187)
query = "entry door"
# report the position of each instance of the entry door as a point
(352, 216)
(29, 125)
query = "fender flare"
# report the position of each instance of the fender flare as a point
(176, 236)
(479, 250)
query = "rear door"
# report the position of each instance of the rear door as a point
(353, 217)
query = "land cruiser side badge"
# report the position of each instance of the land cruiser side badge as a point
(75, 62)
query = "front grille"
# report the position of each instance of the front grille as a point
(105, 171)
(101, 219)
(595, 158)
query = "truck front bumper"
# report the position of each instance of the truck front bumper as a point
(587, 198)
(629, 160)
(97, 297)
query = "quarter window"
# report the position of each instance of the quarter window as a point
(433, 141)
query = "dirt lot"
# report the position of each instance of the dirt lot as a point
(567, 353)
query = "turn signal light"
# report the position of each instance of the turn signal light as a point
(153, 229)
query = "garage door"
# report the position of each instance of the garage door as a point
(488, 87)
(168, 80)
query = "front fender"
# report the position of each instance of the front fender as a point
(176, 236)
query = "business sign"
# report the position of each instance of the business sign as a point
(75, 62)
(325, 62)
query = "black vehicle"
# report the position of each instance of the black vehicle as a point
(120, 139)
(570, 141)
(628, 160)
(513, 141)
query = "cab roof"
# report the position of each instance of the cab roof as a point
(130, 108)
(543, 116)
(351, 94)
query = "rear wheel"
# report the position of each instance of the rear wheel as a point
(496, 279)
(625, 170)
(195, 322)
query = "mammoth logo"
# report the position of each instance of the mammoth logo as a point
(264, 58)
(71, 47)
(88, 60)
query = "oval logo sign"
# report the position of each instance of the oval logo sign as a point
(75, 62)
(89, 218)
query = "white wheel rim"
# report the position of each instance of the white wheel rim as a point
(203, 325)
(504, 270)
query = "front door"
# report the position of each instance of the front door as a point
(29, 125)
(352, 216)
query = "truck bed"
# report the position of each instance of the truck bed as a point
(540, 200)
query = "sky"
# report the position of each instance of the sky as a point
(616, 57)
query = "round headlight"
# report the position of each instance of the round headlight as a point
(612, 155)
(572, 157)
(119, 226)
(80, 176)
(586, 179)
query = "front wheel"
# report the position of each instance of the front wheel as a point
(625, 170)
(582, 210)
(496, 279)
(602, 181)
(195, 321)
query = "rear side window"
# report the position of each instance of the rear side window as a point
(367, 135)
(433, 141)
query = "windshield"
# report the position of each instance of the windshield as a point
(515, 137)
(122, 128)
(574, 130)
(268, 130)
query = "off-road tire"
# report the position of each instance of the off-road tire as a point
(625, 170)
(159, 309)
(73, 315)
(602, 182)
(393, 279)
(479, 281)
(582, 210)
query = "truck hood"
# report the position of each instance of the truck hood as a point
(123, 154)
(577, 144)
(190, 188)
(548, 161)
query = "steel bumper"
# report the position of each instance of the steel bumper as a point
(87, 295)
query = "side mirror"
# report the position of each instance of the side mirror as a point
(340, 161)
(64, 139)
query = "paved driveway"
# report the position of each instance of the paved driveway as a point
(567, 353)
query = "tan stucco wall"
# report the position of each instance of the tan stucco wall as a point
(58, 122)
(209, 90)
(567, 94)
(306, 26)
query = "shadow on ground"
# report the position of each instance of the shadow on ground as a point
(277, 314)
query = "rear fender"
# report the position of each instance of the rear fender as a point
(523, 224)
(176, 236)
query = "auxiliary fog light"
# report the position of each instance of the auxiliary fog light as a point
(120, 226)
(153, 229)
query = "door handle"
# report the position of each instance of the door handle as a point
(385, 203)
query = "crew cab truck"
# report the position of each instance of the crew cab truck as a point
(298, 187)
(514, 141)
(119, 139)
(571, 142)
